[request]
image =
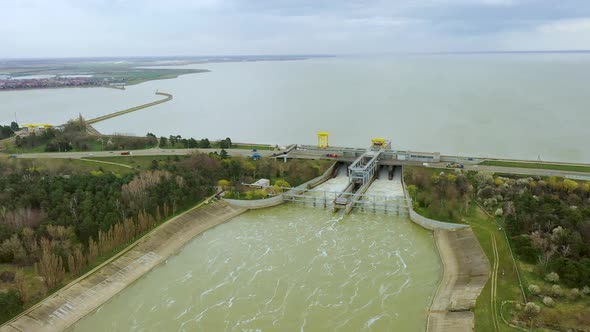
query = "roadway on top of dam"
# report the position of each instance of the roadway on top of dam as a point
(320, 154)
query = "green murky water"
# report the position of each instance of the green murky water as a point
(287, 268)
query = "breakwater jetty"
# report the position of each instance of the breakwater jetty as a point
(167, 98)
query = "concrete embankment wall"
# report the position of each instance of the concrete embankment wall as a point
(279, 199)
(466, 270)
(82, 296)
(256, 203)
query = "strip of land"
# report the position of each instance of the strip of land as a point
(64, 308)
(538, 165)
(167, 96)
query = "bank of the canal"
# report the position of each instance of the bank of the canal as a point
(286, 268)
(60, 310)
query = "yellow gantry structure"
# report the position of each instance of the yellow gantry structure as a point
(36, 125)
(323, 139)
(378, 142)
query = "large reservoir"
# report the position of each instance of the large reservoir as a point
(524, 106)
(287, 268)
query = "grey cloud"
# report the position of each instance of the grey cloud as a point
(155, 27)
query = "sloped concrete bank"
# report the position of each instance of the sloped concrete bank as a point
(466, 270)
(82, 296)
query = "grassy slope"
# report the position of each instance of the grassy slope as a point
(137, 162)
(93, 147)
(507, 281)
(557, 167)
(566, 311)
(67, 166)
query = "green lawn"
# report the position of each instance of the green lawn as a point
(137, 162)
(507, 281)
(215, 145)
(66, 166)
(252, 146)
(92, 147)
(566, 312)
(557, 167)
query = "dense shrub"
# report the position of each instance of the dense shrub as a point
(548, 301)
(534, 289)
(10, 305)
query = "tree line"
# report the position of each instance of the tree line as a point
(177, 141)
(546, 218)
(75, 137)
(8, 131)
(57, 225)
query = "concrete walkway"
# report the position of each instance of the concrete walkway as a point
(466, 270)
(82, 296)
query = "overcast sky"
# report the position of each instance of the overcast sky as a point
(70, 28)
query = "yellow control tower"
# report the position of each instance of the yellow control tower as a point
(380, 143)
(323, 139)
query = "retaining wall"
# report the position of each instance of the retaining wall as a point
(256, 203)
(279, 199)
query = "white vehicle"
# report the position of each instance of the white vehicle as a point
(91, 154)
(425, 164)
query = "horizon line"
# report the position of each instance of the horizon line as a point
(301, 55)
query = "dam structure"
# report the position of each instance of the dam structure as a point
(365, 184)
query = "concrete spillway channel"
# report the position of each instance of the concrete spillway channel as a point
(327, 192)
(384, 192)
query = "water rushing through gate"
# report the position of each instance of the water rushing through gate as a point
(284, 269)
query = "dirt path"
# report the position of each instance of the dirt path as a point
(82, 296)
(494, 277)
(106, 162)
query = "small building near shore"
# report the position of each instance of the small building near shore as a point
(262, 183)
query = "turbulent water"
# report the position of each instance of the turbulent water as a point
(503, 105)
(286, 269)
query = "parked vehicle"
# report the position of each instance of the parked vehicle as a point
(455, 165)
(255, 156)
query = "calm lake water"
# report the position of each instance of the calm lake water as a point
(503, 105)
(287, 268)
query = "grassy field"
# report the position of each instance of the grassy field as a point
(557, 167)
(136, 162)
(567, 312)
(215, 145)
(93, 146)
(252, 146)
(493, 242)
(67, 166)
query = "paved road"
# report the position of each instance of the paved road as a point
(146, 152)
(312, 154)
(301, 155)
(523, 171)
